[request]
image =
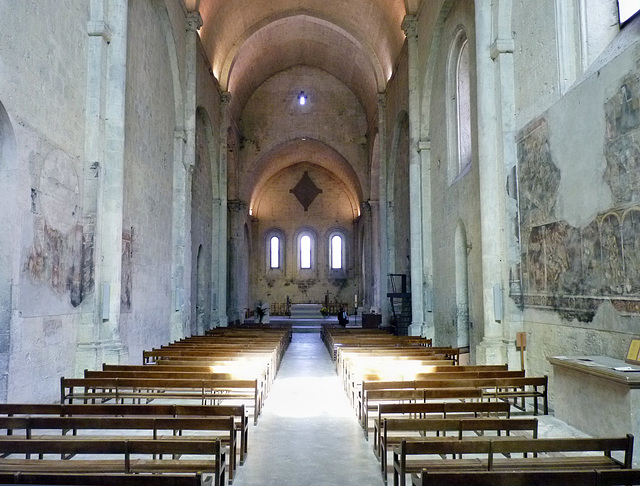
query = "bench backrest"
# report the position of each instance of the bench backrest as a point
(103, 479)
(492, 478)
(522, 446)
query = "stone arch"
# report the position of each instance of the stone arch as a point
(430, 58)
(8, 155)
(172, 52)
(204, 130)
(330, 23)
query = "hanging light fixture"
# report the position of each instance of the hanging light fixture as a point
(302, 98)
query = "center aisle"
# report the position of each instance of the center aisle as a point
(308, 432)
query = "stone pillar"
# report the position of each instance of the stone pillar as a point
(183, 164)
(383, 233)
(492, 349)
(376, 265)
(409, 25)
(220, 236)
(366, 260)
(428, 326)
(237, 256)
(502, 54)
(99, 335)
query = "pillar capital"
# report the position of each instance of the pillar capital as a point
(410, 26)
(194, 21)
(237, 206)
(99, 28)
(424, 145)
(225, 98)
(382, 100)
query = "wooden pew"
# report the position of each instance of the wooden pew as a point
(203, 412)
(122, 428)
(553, 450)
(375, 397)
(423, 380)
(493, 388)
(436, 410)
(418, 429)
(614, 477)
(114, 456)
(104, 479)
(100, 390)
(512, 478)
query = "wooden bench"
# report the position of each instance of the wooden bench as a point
(104, 479)
(114, 456)
(418, 429)
(203, 412)
(493, 388)
(529, 478)
(456, 409)
(422, 380)
(374, 398)
(100, 390)
(122, 428)
(553, 450)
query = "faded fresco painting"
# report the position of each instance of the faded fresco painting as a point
(622, 151)
(571, 270)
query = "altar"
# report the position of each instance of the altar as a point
(598, 395)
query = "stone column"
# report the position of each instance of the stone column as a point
(99, 335)
(183, 164)
(376, 265)
(237, 215)
(220, 236)
(502, 55)
(409, 25)
(492, 349)
(366, 260)
(383, 233)
(428, 326)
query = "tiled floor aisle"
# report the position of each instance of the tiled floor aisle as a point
(307, 433)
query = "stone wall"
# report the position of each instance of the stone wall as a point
(395, 170)
(148, 192)
(42, 84)
(579, 199)
(455, 198)
(280, 210)
(208, 149)
(321, 138)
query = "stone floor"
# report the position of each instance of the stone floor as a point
(308, 432)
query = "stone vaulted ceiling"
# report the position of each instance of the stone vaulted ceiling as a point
(248, 41)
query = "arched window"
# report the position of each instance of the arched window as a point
(627, 9)
(463, 85)
(274, 248)
(305, 252)
(274, 252)
(459, 107)
(335, 252)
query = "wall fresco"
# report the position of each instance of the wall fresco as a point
(538, 176)
(572, 270)
(622, 142)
